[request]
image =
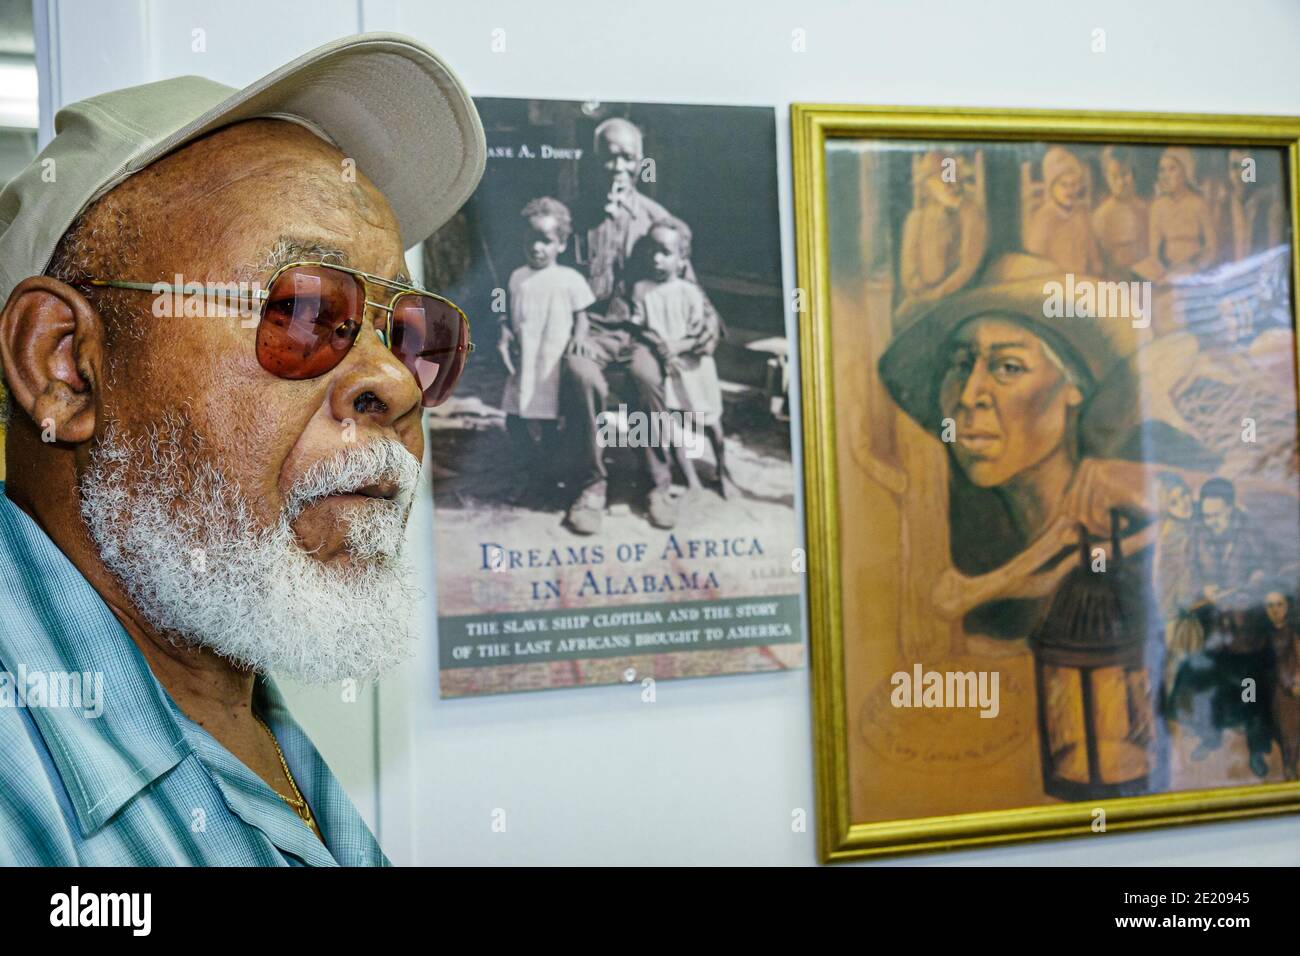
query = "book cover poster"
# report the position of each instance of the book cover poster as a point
(613, 485)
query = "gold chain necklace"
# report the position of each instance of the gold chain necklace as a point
(297, 801)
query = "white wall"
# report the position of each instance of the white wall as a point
(710, 772)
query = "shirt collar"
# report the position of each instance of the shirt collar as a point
(248, 797)
(348, 841)
(56, 623)
(348, 837)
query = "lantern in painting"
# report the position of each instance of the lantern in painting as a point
(1095, 713)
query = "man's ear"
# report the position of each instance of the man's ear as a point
(51, 347)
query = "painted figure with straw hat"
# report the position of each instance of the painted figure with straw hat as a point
(1009, 391)
(1008, 385)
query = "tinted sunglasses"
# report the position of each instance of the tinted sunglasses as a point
(310, 313)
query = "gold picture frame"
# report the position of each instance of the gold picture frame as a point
(814, 128)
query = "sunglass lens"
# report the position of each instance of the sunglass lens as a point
(310, 319)
(431, 338)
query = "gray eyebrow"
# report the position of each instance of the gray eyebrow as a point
(288, 249)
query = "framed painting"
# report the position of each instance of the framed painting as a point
(1049, 412)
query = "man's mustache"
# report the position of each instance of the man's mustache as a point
(382, 469)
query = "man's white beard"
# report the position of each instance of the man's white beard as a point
(183, 542)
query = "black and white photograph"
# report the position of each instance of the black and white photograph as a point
(623, 437)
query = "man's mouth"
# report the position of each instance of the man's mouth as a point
(384, 490)
(375, 481)
(977, 442)
(361, 495)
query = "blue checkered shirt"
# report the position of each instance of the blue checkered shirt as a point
(140, 784)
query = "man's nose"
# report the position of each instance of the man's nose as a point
(974, 391)
(371, 385)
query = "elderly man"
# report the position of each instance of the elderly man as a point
(195, 501)
(607, 249)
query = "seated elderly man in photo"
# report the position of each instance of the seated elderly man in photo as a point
(206, 486)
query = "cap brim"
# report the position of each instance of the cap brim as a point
(384, 101)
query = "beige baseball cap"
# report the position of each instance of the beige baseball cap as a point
(382, 99)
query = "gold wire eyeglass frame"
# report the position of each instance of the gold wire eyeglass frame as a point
(399, 290)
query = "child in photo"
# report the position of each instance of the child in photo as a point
(547, 311)
(670, 310)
